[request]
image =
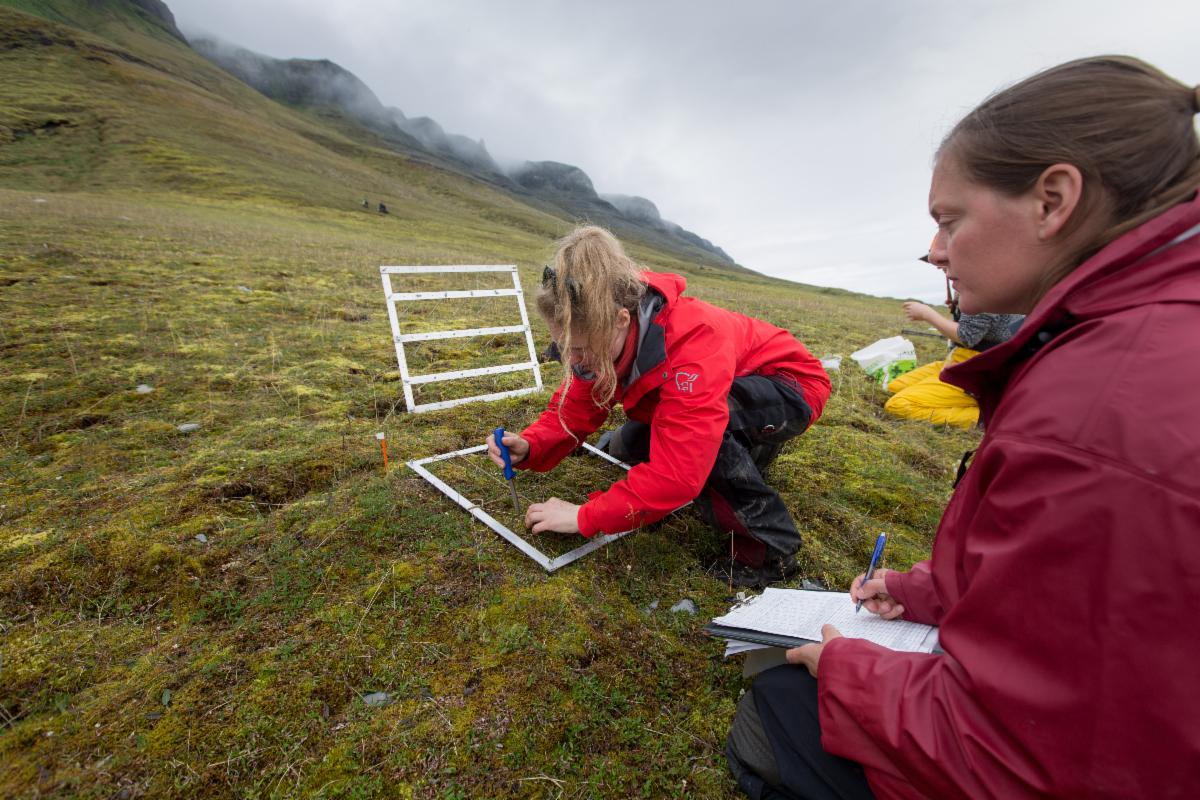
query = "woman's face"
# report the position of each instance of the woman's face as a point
(987, 243)
(577, 354)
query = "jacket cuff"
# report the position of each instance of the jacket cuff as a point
(538, 449)
(588, 525)
(913, 590)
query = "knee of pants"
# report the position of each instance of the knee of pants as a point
(630, 443)
(747, 746)
(767, 411)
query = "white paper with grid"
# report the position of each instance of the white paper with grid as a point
(801, 614)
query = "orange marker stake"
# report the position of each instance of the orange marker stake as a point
(382, 437)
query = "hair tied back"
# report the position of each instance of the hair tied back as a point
(550, 281)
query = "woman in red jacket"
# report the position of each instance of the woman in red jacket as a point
(1064, 567)
(711, 395)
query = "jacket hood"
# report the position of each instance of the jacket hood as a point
(670, 286)
(1153, 263)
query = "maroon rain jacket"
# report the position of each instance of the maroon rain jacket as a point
(1066, 570)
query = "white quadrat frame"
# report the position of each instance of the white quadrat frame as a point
(547, 563)
(408, 381)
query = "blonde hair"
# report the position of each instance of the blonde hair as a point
(583, 293)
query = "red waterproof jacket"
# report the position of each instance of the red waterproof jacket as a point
(1066, 568)
(688, 353)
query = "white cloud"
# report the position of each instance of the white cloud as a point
(796, 135)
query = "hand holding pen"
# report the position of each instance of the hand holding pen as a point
(870, 588)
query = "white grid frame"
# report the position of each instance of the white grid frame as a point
(546, 562)
(408, 380)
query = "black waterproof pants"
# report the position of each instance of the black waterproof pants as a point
(763, 414)
(774, 746)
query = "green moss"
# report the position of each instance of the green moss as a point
(320, 578)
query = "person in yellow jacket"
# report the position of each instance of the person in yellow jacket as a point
(920, 394)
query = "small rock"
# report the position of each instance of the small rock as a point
(201, 538)
(245, 289)
(188, 427)
(40, 200)
(653, 605)
(377, 699)
(425, 693)
(813, 586)
(685, 606)
(144, 389)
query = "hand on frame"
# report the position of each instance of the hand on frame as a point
(552, 515)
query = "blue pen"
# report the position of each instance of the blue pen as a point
(879, 543)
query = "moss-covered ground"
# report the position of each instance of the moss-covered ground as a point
(202, 614)
(218, 612)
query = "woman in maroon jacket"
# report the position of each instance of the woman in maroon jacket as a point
(1064, 568)
(711, 396)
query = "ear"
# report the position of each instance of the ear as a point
(623, 317)
(1057, 193)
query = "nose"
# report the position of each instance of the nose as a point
(938, 255)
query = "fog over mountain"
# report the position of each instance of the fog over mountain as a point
(799, 136)
(320, 84)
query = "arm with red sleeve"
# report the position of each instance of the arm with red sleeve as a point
(915, 591)
(549, 443)
(685, 434)
(1064, 663)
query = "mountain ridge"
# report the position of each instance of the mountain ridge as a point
(116, 97)
(321, 83)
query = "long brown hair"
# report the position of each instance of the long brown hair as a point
(591, 281)
(1125, 125)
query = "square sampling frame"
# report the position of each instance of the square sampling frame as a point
(547, 563)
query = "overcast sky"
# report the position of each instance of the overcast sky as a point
(797, 135)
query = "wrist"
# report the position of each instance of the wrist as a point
(893, 580)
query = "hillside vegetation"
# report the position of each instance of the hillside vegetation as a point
(215, 613)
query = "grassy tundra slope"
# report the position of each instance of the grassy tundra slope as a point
(202, 614)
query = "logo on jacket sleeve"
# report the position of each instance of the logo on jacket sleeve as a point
(684, 381)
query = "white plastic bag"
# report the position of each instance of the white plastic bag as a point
(887, 358)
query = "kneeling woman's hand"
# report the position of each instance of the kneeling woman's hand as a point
(552, 515)
(518, 448)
